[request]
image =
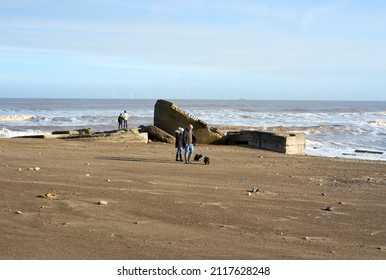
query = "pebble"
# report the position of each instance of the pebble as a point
(108, 180)
(33, 168)
(323, 194)
(341, 202)
(19, 212)
(306, 238)
(19, 169)
(102, 202)
(87, 175)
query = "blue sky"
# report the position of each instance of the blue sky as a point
(220, 49)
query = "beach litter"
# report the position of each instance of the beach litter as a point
(49, 196)
(254, 190)
(102, 202)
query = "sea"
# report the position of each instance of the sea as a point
(343, 129)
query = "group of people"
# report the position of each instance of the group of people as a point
(185, 140)
(122, 120)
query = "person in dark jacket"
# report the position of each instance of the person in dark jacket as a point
(189, 140)
(120, 121)
(179, 143)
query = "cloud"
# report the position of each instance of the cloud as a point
(320, 11)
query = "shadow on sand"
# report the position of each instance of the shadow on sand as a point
(139, 159)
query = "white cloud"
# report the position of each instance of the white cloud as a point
(319, 12)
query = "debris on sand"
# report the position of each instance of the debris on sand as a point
(328, 208)
(254, 190)
(33, 168)
(102, 202)
(48, 196)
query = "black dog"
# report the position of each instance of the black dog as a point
(197, 157)
(206, 160)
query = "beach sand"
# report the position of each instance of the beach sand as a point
(158, 208)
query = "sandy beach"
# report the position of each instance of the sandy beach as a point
(304, 207)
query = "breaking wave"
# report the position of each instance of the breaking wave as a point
(13, 118)
(8, 133)
(378, 123)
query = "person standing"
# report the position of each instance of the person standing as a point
(179, 143)
(125, 119)
(120, 121)
(188, 141)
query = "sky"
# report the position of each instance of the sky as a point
(193, 49)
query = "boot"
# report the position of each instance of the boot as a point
(177, 157)
(190, 154)
(180, 157)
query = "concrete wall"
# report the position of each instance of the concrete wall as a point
(287, 143)
(168, 117)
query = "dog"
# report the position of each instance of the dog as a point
(197, 157)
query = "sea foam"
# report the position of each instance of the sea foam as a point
(12, 118)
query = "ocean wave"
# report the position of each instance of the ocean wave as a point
(13, 118)
(378, 123)
(8, 133)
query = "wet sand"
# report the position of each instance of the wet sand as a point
(158, 208)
